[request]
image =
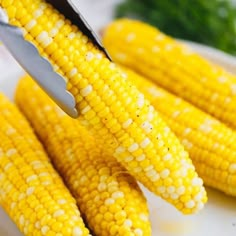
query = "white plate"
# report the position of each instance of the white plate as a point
(218, 217)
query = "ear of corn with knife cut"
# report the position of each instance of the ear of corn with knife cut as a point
(123, 119)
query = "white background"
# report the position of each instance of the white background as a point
(218, 217)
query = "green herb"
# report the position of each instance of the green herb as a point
(211, 22)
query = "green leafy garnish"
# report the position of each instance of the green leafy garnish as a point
(211, 22)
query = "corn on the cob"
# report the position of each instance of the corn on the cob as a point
(174, 67)
(111, 106)
(210, 143)
(31, 191)
(108, 197)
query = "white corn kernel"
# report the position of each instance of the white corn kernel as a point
(134, 147)
(86, 91)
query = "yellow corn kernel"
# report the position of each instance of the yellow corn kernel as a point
(31, 191)
(109, 105)
(105, 192)
(210, 143)
(173, 66)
